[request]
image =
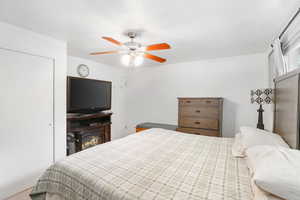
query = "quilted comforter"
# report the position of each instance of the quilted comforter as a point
(153, 164)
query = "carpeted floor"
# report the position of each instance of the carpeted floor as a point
(24, 195)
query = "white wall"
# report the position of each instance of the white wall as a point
(21, 40)
(118, 77)
(152, 91)
(18, 39)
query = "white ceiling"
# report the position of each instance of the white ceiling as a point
(196, 29)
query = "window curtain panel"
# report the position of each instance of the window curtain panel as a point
(285, 55)
(291, 38)
(290, 43)
(272, 72)
(278, 61)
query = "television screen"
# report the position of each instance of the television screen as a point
(88, 95)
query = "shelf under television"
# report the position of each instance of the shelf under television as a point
(86, 128)
(88, 116)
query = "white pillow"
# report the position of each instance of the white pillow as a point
(276, 170)
(253, 137)
(237, 147)
(259, 194)
(255, 155)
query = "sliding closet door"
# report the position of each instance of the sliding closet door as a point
(26, 120)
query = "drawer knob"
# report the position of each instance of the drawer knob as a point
(188, 101)
(197, 123)
(198, 111)
(208, 101)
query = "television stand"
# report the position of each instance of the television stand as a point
(87, 130)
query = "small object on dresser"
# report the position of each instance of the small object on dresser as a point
(261, 96)
(202, 116)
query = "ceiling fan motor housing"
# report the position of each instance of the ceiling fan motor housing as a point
(132, 35)
(133, 45)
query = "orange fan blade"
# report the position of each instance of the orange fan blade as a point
(104, 52)
(112, 40)
(161, 46)
(155, 58)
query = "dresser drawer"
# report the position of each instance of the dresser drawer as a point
(193, 122)
(201, 112)
(199, 131)
(199, 102)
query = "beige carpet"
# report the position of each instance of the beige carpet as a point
(24, 195)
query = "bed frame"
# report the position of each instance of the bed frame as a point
(286, 115)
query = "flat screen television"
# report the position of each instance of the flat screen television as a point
(88, 95)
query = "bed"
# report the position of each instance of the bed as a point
(287, 108)
(164, 164)
(155, 164)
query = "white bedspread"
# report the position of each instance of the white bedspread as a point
(154, 164)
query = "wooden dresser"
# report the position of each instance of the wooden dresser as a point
(201, 116)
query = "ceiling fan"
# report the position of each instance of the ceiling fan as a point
(134, 52)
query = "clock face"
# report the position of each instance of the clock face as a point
(83, 70)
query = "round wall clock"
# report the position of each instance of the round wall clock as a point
(83, 70)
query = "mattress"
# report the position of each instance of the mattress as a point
(153, 164)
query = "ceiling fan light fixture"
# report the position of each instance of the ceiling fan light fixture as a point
(138, 60)
(132, 60)
(126, 60)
